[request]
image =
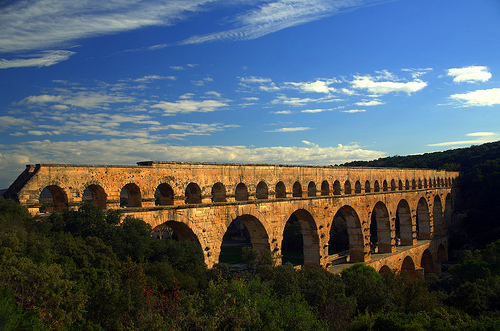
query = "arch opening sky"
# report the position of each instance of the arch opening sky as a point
(289, 82)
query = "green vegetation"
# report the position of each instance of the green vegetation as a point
(88, 270)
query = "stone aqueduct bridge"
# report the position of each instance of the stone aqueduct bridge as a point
(410, 207)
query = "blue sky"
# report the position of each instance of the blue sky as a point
(290, 82)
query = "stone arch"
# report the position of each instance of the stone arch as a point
(438, 182)
(419, 183)
(441, 253)
(355, 234)
(448, 211)
(384, 269)
(409, 266)
(357, 187)
(424, 227)
(182, 231)
(98, 195)
(280, 190)
(437, 216)
(218, 192)
(376, 186)
(56, 196)
(427, 263)
(347, 187)
(403, 217)
(164, 195)
(192, 194)
(325, 188)
(311, 189)
(297, 189)
(393, 185)
(407, 185)
(261, 191)
(133, 193)
(384, 186)
(400, 185)
(310, 236)
(425, 182)
(380, 228)
(434, 182)
(413, 184)
(367, 187)
(336, 188)
(241, 192)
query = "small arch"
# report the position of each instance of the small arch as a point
(407, 185)
(241, 192)
(448, 211)
(385, 269)
(280, 190)
(97, 195)
(218, 192)
(53, 198)
(393, 185)
(384, 186)
(425, 182)
(427, 263)
(130, 196)
(413, 184)
(325, 188)
(419, 184)
(400, 185)
(336, 188)
(192, 194)
(409, 266)
(311, 189)
(357, 187)
(164, 195)
(297, 190)
(262, 191)
(435, 183)
(367, 187)
(376, 186)
(347, 187)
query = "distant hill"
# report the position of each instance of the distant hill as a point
(479, 168)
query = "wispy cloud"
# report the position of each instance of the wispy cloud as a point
(45, 59)
(386, 83)
(189, 106)
(471, 74)
(292, 129)
(478, 98)
(482, 137)
(352, 111)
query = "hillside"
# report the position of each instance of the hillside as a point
(479, 187)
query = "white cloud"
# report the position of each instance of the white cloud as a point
(298, 101)
(479, 98)
(282, 112)
(294, 129)
(313, 111)
(370, 103)
(46, 59)
(352, 111)
(378, 86)
(482, 137)
(470, 74)
(151, 78)
(82, 99)
(318, 86)
(130, 151)
(10, 121)
(189, 106)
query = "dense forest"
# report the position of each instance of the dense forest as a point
(90, 270)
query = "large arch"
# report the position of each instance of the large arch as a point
(441, 253)
(218, 192)
(448, 211)
(403, 217)
(132, 193)
(381, 225)
(310, 236)
(427, 263)
(98, 195)
(409, 266)
(261, 191)
(424, 226)
(437, 217)
(164, 195)
(354, 232)
(55, 196)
